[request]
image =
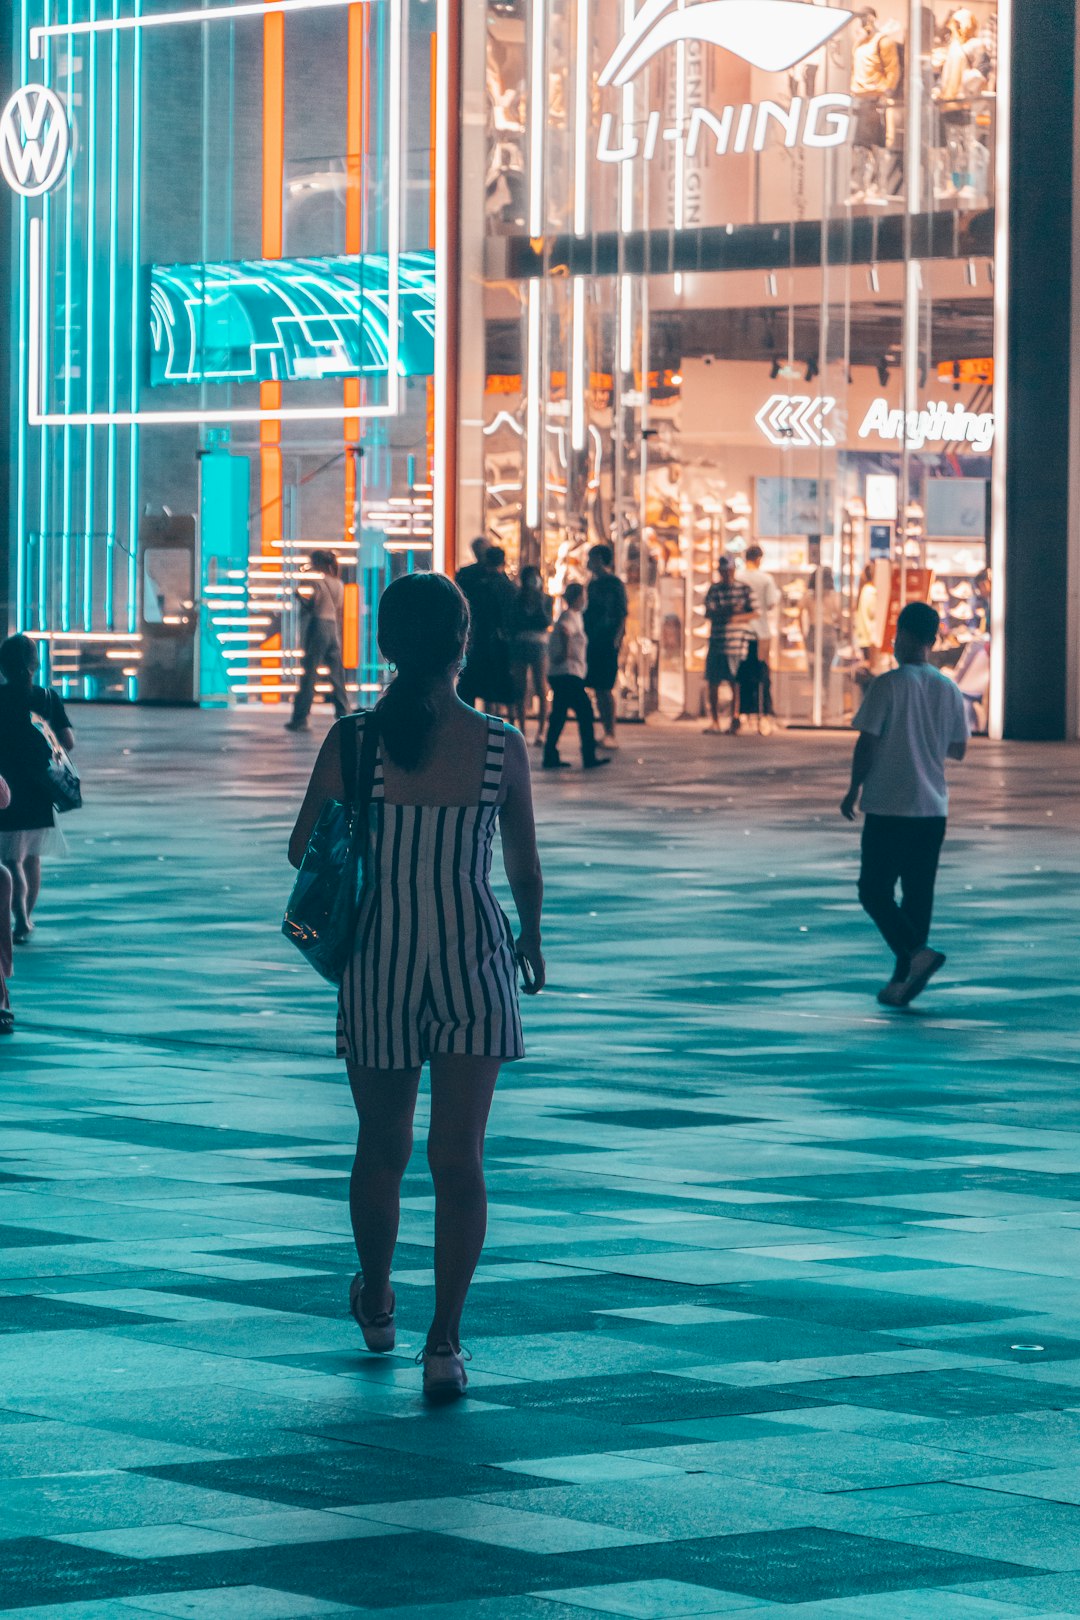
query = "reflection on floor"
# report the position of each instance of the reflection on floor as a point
(779, 1311)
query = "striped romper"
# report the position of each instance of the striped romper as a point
(433, 969)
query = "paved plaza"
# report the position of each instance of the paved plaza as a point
(778, 1314)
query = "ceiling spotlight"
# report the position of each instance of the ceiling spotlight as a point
(676, 379)
(883, 372)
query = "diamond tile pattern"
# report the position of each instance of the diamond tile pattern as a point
(778, 1311)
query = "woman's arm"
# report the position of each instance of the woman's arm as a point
(326, 784)
(522, 860)
(5, 794)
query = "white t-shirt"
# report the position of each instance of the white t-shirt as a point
(764, 594)
(917, 714)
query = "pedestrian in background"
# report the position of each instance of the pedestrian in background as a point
(7, 1017)
(468, 576)
(28, 829)
(605, 623)
(322, 605)
(911, 720)
(433, 977)
(530, 627)
(729, 608)
(755, 674)
(569, 694)
(486, 677)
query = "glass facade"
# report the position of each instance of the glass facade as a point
(225, 304)
(739, 272)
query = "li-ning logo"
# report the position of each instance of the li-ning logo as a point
(773, 35)
(769, 34)
(34, 140)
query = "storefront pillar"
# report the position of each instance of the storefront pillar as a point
(1034, 526)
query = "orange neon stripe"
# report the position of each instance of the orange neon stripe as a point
(273, 235)
(354, 202)
(350, 637)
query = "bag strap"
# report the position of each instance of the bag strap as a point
(359, 780)
(347, 742)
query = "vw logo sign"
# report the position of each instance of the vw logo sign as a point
(34, 140)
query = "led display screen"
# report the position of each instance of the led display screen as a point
(289, 320)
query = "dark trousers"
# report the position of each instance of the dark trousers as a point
(569, 695)
(904, 850)
(322, 649)
(755, 682)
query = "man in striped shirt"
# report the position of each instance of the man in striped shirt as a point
(729, 608)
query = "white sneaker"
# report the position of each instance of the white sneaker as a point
(924, 964)
(445, 1378)
(380, 1332)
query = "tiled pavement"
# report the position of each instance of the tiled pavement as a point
(779, 1310)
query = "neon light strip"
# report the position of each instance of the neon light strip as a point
(43, 438)
(441, 182)
(65, 484)
(21, 616)
(577, 368)
(533, 446)
(321, 413)
(114, 260)
(581, 120)
(91, 263)
(166, 19)
(1000, 469)
(537, 121)
(136, 271)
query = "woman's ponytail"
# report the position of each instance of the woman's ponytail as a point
(423, 629)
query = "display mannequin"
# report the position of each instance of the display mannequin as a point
(877, 71)
(965, 74)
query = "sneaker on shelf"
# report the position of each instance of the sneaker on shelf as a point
(379, 1330)
(924, 964)
(892, 994)
(445, 1378)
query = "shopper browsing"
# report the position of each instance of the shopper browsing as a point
(911, 720)
(566, 668)
(729, 608)
(28, 829)
(755, 675)
(322, 607)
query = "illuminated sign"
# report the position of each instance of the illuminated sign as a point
(34, 140)
(794, 420)
(770, 34)
(290, 320)
(937, 423)
(773, 35)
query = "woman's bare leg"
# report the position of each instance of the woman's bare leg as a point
(461, 1093)
(5, 936)
(32, 868)
(385, 1103)
(16, 872)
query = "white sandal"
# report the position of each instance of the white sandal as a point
(380, 1331)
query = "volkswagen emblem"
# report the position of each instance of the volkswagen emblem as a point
(34, 140)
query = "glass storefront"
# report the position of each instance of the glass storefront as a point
(739, 288)
(225, 305)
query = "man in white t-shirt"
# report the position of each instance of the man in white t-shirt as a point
(910, 722)
(755, 677)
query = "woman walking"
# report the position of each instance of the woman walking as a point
(530, 626)
(7, 1017)
(433, 976)
(28, 827)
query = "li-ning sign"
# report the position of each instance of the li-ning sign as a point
(773, 35)
(34, 140)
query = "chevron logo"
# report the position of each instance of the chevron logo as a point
(769, 34)
(797, 421)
